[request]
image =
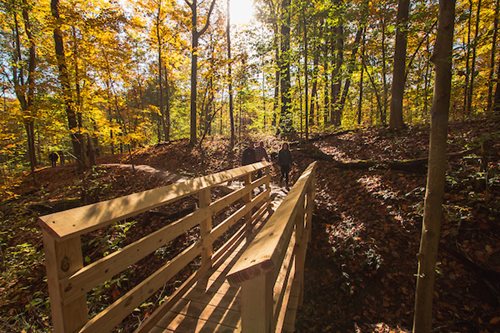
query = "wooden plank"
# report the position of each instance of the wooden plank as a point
(287, 299)
(224, 301)
(244, 211)
(205, 311)
(106, 320)
(269, 244)
(232, 197)
(248, 198)
(84, 219)
(181, 323)
(105, 268)
(257, 304)
(61, 260)
(168, 303)
(205, 197)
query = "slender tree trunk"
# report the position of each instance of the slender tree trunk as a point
(491, 76)
(158, 24)
(314, 90)
(326, 97)
(473, 61)
(337, 79)
(194, 73)
(427, 82)
(361, 77)
(398, 77)
(467, 61)
(25, 89)
(442, 58)
(375, 92)
(75, 135)
(167, 105)
(229, 74)
(306, 70)
(286, 125)
(384, 74)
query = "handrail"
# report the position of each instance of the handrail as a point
(263, 253)
(273, 255)
(81, 220)
(69, 281)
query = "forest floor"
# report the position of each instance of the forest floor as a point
(366, 229)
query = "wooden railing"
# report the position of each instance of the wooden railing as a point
(69, 280)
(271, 270)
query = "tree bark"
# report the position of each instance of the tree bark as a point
(286, 126)
(75, 135)
(306, 70)
(491, 81)
(467, 61)
(350, 69)
(398, 76)
(473, 60)
(360, 100)
(229, 75)
(383, 115)
(336, 75)
(442, 58)
(195, 36)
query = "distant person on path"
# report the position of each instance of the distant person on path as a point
(285, 163)
(61, 157)
(53, 157)
(261, 153)
(248, 155)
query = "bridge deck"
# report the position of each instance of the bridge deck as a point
(213, 305)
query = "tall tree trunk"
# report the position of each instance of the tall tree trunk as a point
(167, 105)
(286, 125)
(195, 36)
(398, 77)
(473, 61)
(491, 76)
(306, 70)
(427, 81)
(25, 89)
(442, 58)
(229, 74)
(159, 46)
(383, 116)
(75, 135)
(496, 101)
(361, 77)
(337, 70)
(326, 97)
(467, 61)
(314, 89)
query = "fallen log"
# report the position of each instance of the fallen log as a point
(418, 165)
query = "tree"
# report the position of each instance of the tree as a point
(398, 77)
(491, 81)
(286, 125)
(433, 205)
(229, 75)
(64, 80)
(195, 37)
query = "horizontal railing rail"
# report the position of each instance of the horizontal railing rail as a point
(274, 260)
(69, 280)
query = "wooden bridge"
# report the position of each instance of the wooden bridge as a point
(253, 282)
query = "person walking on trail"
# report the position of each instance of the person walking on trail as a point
(53, 157)
(261, 153)
(285, 163)
(248, 155)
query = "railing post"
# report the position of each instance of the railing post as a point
(257, 304)
(62, 259)
(205, 198)
(246, 199)
(300, 246)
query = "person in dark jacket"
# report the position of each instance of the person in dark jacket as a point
(248, 155)
(53, 157)
(285, 163)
